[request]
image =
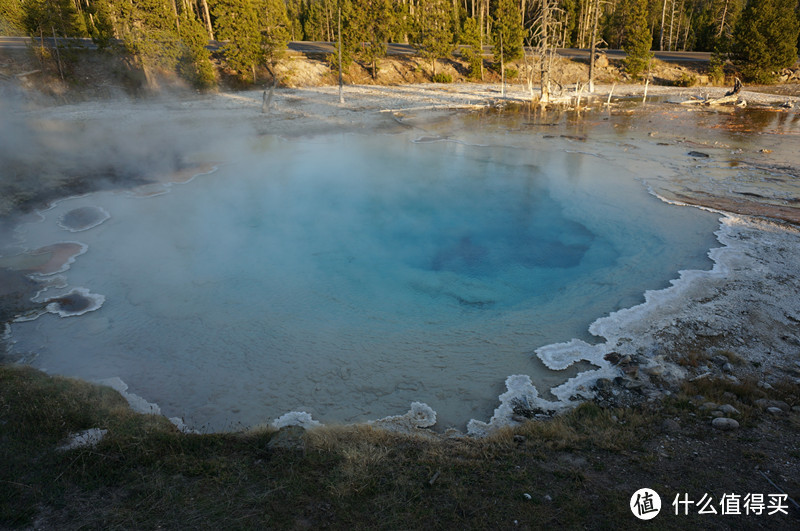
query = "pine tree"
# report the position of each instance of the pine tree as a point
(434, 39)
(101, 23)
(765, 39)
(470, 40)
(638, 40)
(149, 33)
(507, 30)
(378, 29)
(45, 17)
(314, 23)
(353, 35)
(11, 17)
(274, 26)
(195, 64)
(237, 23)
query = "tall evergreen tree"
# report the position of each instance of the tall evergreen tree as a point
(314, 21)
(434, 38)
(101, 23)
(378, 29)
(274, 25)
(765, 39)
(638, 38)
(353, 35)
(45, 17)
(195, 63)
(11, 17)
(507, 30)
(237, 23)
(470, 39)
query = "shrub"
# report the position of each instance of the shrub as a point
(686, 80)
(442, 78)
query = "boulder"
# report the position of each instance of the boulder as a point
(725, 424)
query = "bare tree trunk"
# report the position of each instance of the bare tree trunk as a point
(481, 32)
(688, 27)
(680, 23)
(545, 99)
(266, 100)
(722, 21)
(671, 22)
(341, 91)
(488, 18)
(177, 19)
(594, 45)
(58, 55)
(586, 18)
(502, 69)
(663, 19)
(208, 20)
(328, 16)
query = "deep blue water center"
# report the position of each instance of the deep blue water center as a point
(350, 275)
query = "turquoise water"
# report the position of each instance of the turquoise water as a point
(348, 275)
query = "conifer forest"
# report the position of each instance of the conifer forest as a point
(759, 36)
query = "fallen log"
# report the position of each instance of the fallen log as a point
(730, 97)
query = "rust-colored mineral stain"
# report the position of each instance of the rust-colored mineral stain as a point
(54, 257)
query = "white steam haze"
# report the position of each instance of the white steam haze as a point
(84, 147)
(343, 275)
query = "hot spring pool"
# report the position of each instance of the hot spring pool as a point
(348, 275)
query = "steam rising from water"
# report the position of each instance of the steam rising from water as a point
(349, 276)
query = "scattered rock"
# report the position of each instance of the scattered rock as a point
(764, 403)
(708, 406)
(603, 384)
(631, 370)
(83, 439)
(631, 385)
(725, 424)
(728, 409)
(775, 410)
(727, 395)
(719, 360)
(698, 154)
(670, 426)
(655, 370)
